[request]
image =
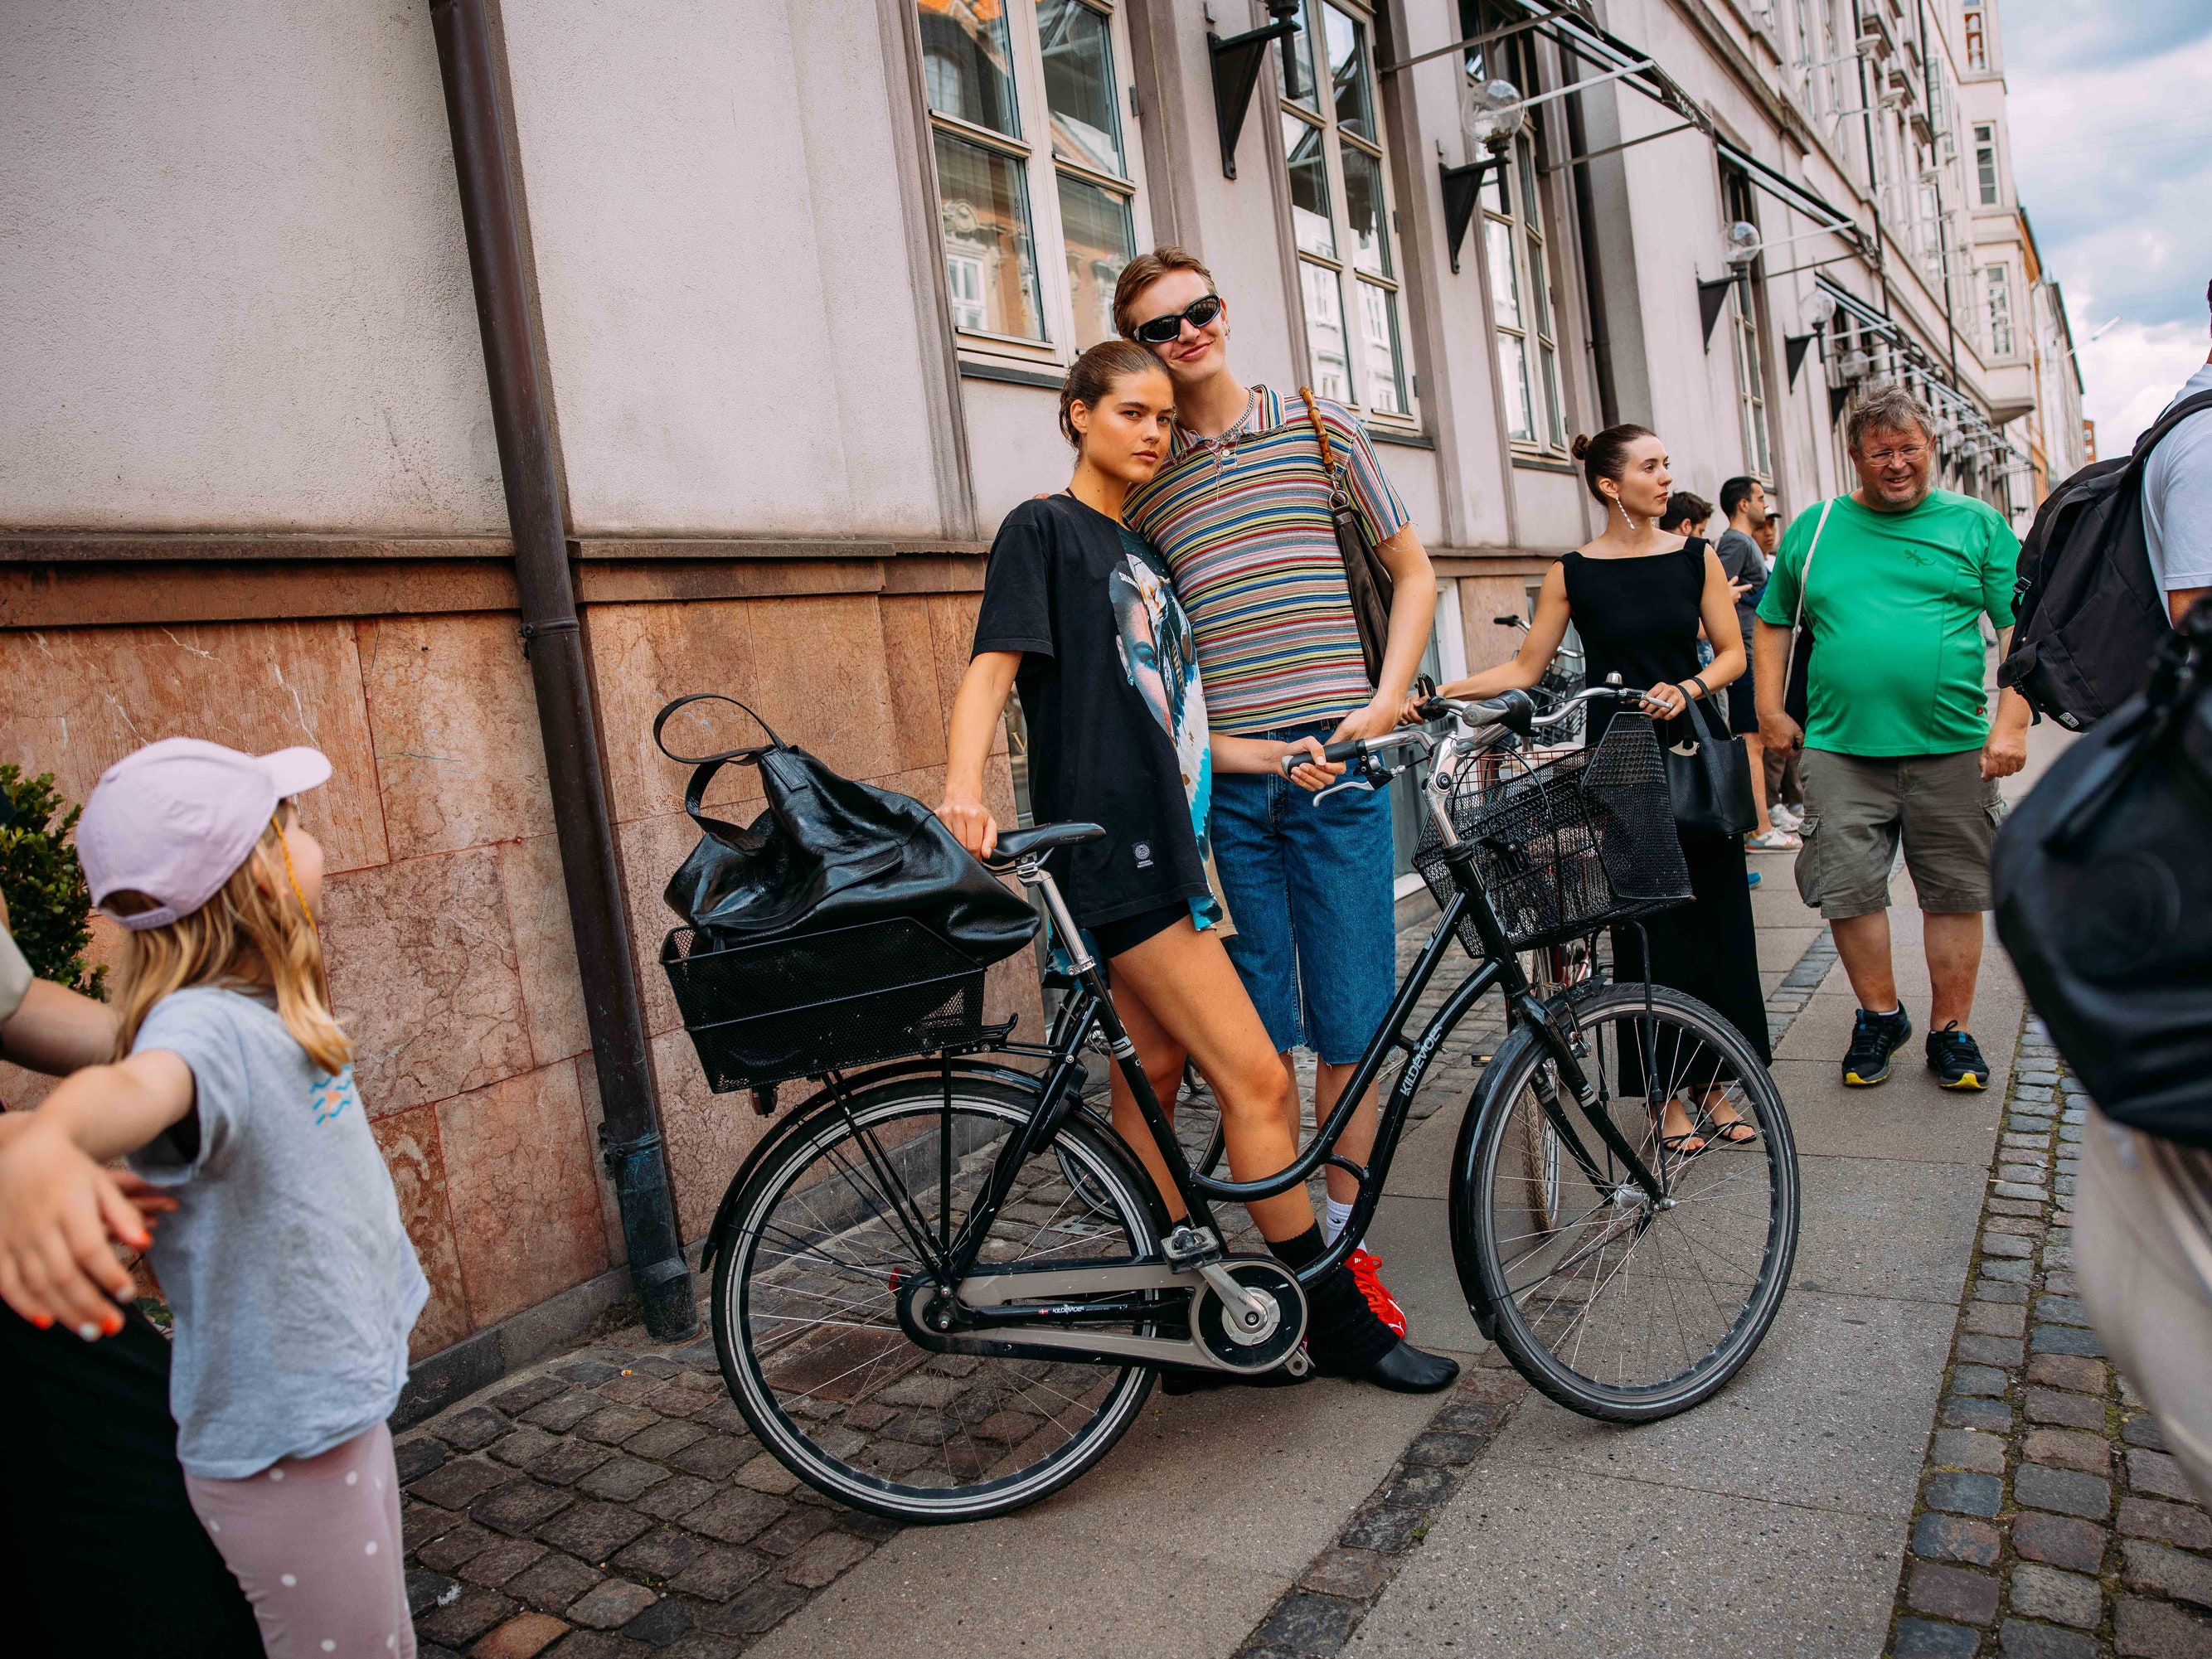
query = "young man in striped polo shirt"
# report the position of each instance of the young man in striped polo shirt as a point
(1241, 511)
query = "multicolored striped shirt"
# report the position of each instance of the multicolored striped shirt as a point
(1244, 521)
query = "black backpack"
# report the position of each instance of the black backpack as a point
(2087, 612)
(2103, 897)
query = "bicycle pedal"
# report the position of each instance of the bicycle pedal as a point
(1188, 1249)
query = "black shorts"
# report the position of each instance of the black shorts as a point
(1743, 706)
(1126, 933)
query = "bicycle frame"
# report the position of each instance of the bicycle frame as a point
(1090, 1005)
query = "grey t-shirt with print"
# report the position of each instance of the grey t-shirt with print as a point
(291, 1278)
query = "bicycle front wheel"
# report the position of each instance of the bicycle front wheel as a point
(808, 1264)
(1614, 1306)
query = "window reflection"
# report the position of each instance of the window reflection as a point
(966, 63)
(990, 258)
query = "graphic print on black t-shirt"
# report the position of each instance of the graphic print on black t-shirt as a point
(1109, 688)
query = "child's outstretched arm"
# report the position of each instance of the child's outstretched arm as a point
(58, 1207)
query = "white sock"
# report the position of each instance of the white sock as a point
(1334, 1216)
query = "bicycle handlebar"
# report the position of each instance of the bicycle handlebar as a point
(1512, 708)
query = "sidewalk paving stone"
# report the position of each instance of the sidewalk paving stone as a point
(2072, 1577)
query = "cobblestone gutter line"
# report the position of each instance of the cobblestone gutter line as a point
(1317, 1617)
(2051, 1524)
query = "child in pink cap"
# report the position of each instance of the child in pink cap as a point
(291, 1280)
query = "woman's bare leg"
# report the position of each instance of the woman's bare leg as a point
(1193, 999)
(1163, 1059)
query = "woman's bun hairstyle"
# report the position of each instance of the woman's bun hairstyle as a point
(1606, 456)
(1094, 375)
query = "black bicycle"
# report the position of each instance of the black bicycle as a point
(942, 1287)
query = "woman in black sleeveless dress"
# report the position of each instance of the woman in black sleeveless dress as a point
(1636, 595)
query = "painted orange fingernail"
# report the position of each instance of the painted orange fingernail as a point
(44, 1322)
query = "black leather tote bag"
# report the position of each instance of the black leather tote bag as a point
(1709, 775)
(2103, 896)
(830, 852)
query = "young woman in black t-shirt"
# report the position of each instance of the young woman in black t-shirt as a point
(1079, 613)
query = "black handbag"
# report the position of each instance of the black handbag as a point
(2103, 897)
(1709, 775)
(1366, 577)
(844, 924)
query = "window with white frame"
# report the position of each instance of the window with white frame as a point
(1340, 216)
(1743, 325)
(1985, 163)
(1033, 153)
(1522, 308)
(1977, 42)
(1997, 280)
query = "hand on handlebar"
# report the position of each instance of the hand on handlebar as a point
(1316, 773)
(1665, 703)
(972, 824)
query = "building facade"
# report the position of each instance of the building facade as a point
(805, 277)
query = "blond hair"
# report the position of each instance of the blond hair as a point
(255, 931)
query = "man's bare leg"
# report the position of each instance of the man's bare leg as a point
(1862, 942)
(1954, 944)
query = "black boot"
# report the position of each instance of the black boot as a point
(1344, 1337)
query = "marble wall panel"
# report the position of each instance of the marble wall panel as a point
(527, 1217)
(587, 1088)
(413, 1154)
(544, 948)
(78, 700)
(643, 656)
(652, 850)
(423, 973)
(707, 1134)
(822, 683)
(458, 755)
(918, 707)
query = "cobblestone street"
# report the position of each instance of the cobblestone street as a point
(2052, 1524)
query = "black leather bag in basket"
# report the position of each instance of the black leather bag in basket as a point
(844, 925)
(1568, 845)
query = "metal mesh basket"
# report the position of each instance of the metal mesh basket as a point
(798, 1006)
(1568, 845)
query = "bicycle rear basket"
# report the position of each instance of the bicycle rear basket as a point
(1567, 845)
(797, 1006)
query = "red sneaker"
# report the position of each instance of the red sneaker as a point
(1367, 1273)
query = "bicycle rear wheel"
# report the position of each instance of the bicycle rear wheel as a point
(1612, 1306)
(808, 1264)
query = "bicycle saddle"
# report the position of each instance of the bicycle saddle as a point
(1043, 838)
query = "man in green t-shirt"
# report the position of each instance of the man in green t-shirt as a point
(1898, 742)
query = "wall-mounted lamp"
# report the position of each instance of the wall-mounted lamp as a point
(1820, 312)
(1237, 64)
(1491, 116)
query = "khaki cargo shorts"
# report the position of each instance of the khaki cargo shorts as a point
(1858, 807)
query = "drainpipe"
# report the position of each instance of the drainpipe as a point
(613, 1009)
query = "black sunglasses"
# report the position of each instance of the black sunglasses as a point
(1158, 331)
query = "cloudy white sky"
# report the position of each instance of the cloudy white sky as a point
(2111, 113)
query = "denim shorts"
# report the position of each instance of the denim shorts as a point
(1309, 890)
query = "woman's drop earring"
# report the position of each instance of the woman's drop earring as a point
(1625, 518)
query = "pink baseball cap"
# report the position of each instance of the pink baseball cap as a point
(174, 819)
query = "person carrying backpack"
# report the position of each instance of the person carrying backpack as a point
(2176, 496)
(2117, 555)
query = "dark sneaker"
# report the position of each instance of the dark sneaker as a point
(1874, 1040)
(1955, 1060)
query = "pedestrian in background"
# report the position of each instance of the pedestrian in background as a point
(1686, 514)
(1899, 744)
(293, 1284)
(1785, 789)
(1743, 501)
(1637, 597)
(1241, 510)
(2177, 501)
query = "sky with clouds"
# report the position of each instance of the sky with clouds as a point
(2109, 108)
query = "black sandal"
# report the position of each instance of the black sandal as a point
(1725, 1134)
(1673, 1145)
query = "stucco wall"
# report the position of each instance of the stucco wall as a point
(235, 292)
(714, 196)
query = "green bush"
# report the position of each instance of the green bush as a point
(49, 906)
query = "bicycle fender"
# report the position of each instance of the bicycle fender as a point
(1481, 1106)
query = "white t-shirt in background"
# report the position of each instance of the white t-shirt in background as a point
(2177, 490)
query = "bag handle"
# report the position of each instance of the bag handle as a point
(745, 756)
(1338, 497)
(1804, 579)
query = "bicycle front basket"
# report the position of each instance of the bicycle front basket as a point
(797, 1006)
(1568, 845)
